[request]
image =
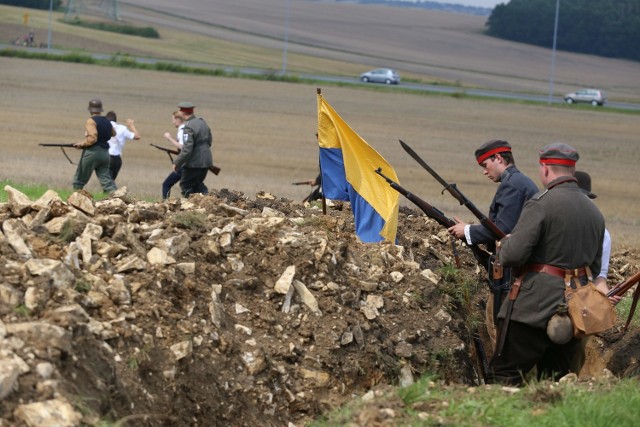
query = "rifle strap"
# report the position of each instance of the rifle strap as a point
(65, 154)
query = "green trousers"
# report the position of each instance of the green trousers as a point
(97, 159)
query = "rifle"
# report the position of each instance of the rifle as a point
(482, 356)
(623, 287)
(495, 269)
(62, 147)
(215, 169)
(301, 183)
(315, 194)
(457, 194)
(437, 215)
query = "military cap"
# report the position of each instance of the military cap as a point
(559, 154)
(584, 182)
(491, 148)
(95, 106)
(186, 105)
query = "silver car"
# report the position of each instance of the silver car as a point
(591, 96)
(381, 75)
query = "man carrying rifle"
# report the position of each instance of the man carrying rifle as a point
(496, 160)
(558, 237)
(195, 159)
(95, 150)
(175, 175)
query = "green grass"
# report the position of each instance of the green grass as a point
(35, 191)
(430, 403)
(623, 308)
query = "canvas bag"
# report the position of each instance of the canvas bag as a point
(590, 311)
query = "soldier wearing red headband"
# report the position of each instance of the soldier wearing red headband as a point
(559, 230)
(496, 159)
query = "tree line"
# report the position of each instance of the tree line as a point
(609, 28)
(33, 4)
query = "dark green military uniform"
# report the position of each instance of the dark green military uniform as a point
(560, 227)
(195, 158)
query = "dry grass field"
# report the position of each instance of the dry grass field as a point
(264, 131)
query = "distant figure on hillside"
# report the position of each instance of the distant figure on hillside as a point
(116, 144)
(178, 122)
(95, 150)
(195, 159)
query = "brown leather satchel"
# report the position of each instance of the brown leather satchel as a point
(590, 310)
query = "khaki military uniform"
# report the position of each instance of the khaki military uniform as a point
(563, 228)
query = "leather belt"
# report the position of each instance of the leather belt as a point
(557, 271)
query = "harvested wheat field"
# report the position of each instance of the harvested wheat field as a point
(264, 133)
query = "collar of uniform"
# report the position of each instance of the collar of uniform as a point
(505, 173)
(562, 180)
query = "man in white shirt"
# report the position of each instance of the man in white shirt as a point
(116, 143)
(174, 176)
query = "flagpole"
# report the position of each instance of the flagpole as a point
(324, 201)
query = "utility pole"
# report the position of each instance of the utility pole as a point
(553, 53)
(49, 33)
(286, 38)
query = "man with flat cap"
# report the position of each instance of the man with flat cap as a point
(195, 158)
(559, 235)
(496, 159)
(95, 150)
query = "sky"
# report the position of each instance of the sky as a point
(479, 3)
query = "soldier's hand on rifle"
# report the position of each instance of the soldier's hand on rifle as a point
(79, 145)
(457, 230)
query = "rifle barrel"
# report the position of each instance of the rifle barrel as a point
(56, 145)
(457, 194)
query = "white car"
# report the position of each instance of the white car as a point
(591, 96)
(381, 75)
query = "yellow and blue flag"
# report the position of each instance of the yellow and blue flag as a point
(348, 167)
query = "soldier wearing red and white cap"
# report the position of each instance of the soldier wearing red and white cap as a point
(496, 159)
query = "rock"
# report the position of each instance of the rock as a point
(284, 282)
(307, 297)
(82, 202)
(11, 229)
(18, 202)
(50, 413)
(9, 373)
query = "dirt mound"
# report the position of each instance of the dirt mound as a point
(219, 307)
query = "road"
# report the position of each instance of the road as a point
(353, 80)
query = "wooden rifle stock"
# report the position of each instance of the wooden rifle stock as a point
(457, 194)
(621, 288)
(215, 169)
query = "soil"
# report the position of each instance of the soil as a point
(162, 345)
